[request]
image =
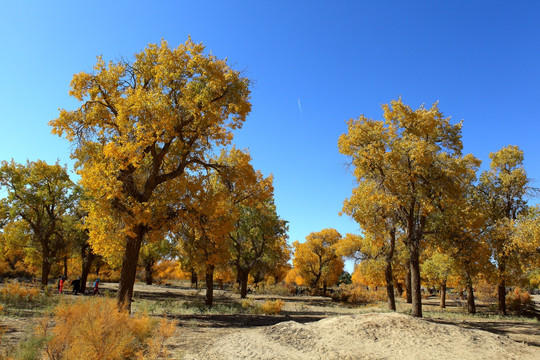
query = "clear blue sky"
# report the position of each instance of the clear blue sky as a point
(314, 64)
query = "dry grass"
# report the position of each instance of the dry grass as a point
(99, 330)
(272, 307)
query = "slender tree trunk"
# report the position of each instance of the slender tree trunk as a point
(244, 276)
(88, 257)
(471, 306)
(194, 279)
(399, 287)
(443, 294)
(129, 268)
(501, 288)
(148, 272)
(408, 290)
(390, 286)
(45, 264)
(415, 279)
(210, 285)
(388, 274)
(65, 267)
(324, 288)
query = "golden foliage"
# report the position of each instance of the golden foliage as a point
(144, 132)
(97, 329)
(519, 301)
(316, 260)
(17, 292)
(272, 307)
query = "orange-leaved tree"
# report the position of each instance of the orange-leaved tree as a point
(316, 259)
(142, 125)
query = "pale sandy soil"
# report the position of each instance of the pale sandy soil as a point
(317, 328)
(366, 336)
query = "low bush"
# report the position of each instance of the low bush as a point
(272, 307)
(353, 294)
(519, 301)
(97, 329)
(15, 292)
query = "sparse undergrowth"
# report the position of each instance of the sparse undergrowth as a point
(96, 328)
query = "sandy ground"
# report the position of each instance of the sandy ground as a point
(317, 328)
(367, 336)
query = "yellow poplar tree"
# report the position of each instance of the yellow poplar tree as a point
(373, 209)
(504, 187)
(414, 157)
(142, 125)
(316, 259)
(39, 195)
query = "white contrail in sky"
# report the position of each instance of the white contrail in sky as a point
(300, 108)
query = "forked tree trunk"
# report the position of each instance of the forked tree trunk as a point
(129, 268)
(210, 285)
(443, 294)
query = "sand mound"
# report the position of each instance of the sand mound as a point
(369, 336)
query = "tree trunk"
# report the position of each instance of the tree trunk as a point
(390, 286)
(399, 287)
(88, 259)
(243, 276)
(45, 264)
(408, 290)
(210, 285)
(148, 272)
(416, 295)
(45, 271)
(324, 288)
(65, 267)
(443, 294)
(389, 276)
(194, 279)
(471, 306)
(129, 268)
(501, 294)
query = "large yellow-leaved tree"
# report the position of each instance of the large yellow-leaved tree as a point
(142, 126)
(414, 157)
